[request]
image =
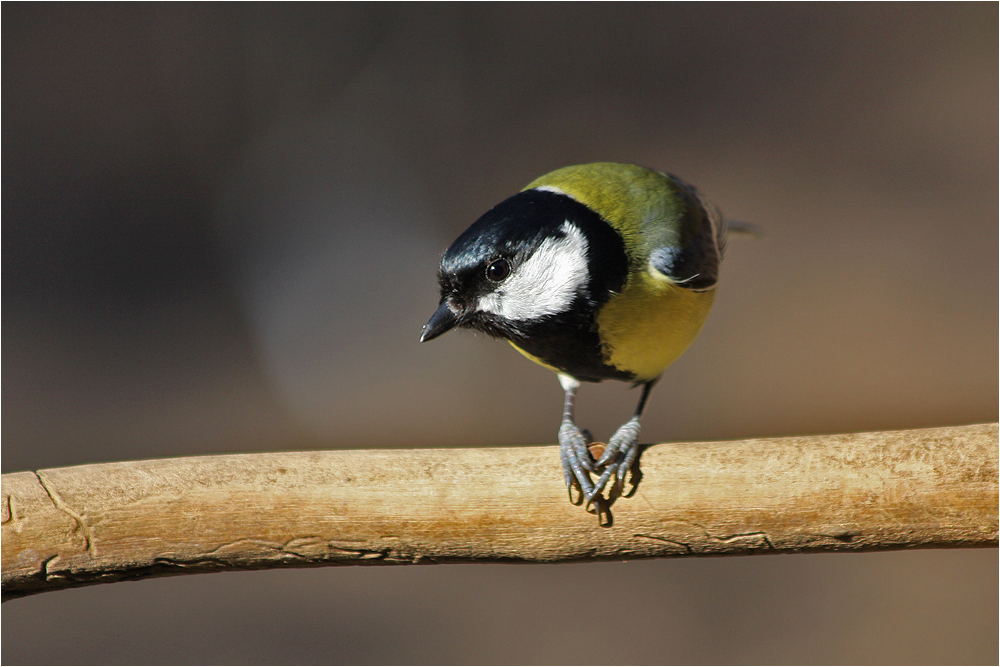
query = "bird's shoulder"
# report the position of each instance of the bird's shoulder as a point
(667, 227)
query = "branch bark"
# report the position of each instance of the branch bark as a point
(89, 524)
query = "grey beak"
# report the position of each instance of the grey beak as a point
(441, 321)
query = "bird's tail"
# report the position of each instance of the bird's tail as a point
(743, 228)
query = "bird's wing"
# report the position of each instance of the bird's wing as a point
(691, 256)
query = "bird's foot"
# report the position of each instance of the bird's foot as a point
(616, 461)
(577, 462)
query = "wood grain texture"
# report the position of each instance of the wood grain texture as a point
(88, 524)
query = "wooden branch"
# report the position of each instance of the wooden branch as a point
(107, 522)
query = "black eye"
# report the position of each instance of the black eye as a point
(498, 270)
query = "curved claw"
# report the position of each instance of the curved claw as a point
(575, 479)
(579, 494)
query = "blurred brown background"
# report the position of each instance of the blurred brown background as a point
(220, 231)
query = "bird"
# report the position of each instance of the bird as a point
(600, 271)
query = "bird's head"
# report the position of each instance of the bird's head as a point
(536, 256)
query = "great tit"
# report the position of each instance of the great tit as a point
(599, 271)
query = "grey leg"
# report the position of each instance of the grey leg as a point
(573, 452)
(622, 450)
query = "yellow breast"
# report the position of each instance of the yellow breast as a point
(650, 323)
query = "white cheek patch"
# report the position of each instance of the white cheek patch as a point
(545, 284)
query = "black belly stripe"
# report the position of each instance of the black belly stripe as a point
(574, 349)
